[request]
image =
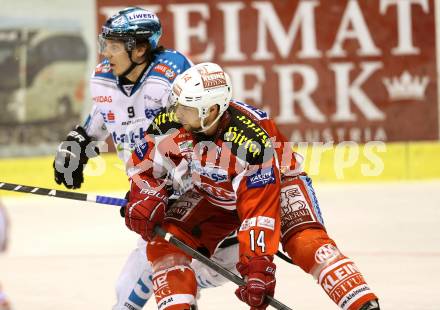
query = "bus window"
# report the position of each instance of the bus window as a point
(52, 49)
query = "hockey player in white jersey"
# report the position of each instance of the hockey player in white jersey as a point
(4, 302)
(129, 88)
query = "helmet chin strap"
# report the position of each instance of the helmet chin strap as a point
(202, 120)
(132, 66)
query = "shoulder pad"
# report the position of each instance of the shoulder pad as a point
(174, 56)
(245, 133)
(103, 70)
(163, 122)
(251, 111)
(168, 64)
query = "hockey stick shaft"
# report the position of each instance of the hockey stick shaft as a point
(62, 194)
(230, 241)
(284, 257)
(82, 197)
(211, 264)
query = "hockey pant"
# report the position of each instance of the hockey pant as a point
(134, 286)
(306, 241)
(199, 224)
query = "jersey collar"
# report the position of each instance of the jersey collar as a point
(129, 91)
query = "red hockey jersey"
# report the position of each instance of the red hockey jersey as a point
(236, 169)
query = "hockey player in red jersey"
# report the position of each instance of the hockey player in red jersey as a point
(235, 172)
(303, 233)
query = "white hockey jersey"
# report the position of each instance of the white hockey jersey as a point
(125, 112)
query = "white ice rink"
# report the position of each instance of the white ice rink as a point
(67, 255)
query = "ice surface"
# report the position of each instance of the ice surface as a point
(67, 255)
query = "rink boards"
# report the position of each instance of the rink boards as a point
(343, 162)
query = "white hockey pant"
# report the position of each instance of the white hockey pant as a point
(134, 286)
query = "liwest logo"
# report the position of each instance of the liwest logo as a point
(135, 16)
(261, 178)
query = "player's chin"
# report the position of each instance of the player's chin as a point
(191, 128)
(187, 127)
(117, 71)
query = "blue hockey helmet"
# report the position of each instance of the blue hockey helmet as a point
(133, 25)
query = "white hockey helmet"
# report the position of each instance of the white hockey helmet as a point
(202, 86)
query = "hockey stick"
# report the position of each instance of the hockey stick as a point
(158, 230)
(84, 197)
(231, 241)
(284, 257)
(211, 264)
(62, 194)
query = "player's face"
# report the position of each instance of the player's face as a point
(118, 57)
(188, 117)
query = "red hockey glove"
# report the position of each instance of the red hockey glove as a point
(144, 210)
(259, 275)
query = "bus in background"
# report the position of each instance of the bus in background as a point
(42, 82)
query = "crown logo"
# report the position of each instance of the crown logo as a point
(406, 87)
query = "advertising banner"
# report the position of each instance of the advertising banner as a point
(330, 70)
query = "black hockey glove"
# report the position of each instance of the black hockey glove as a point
(71, 157)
